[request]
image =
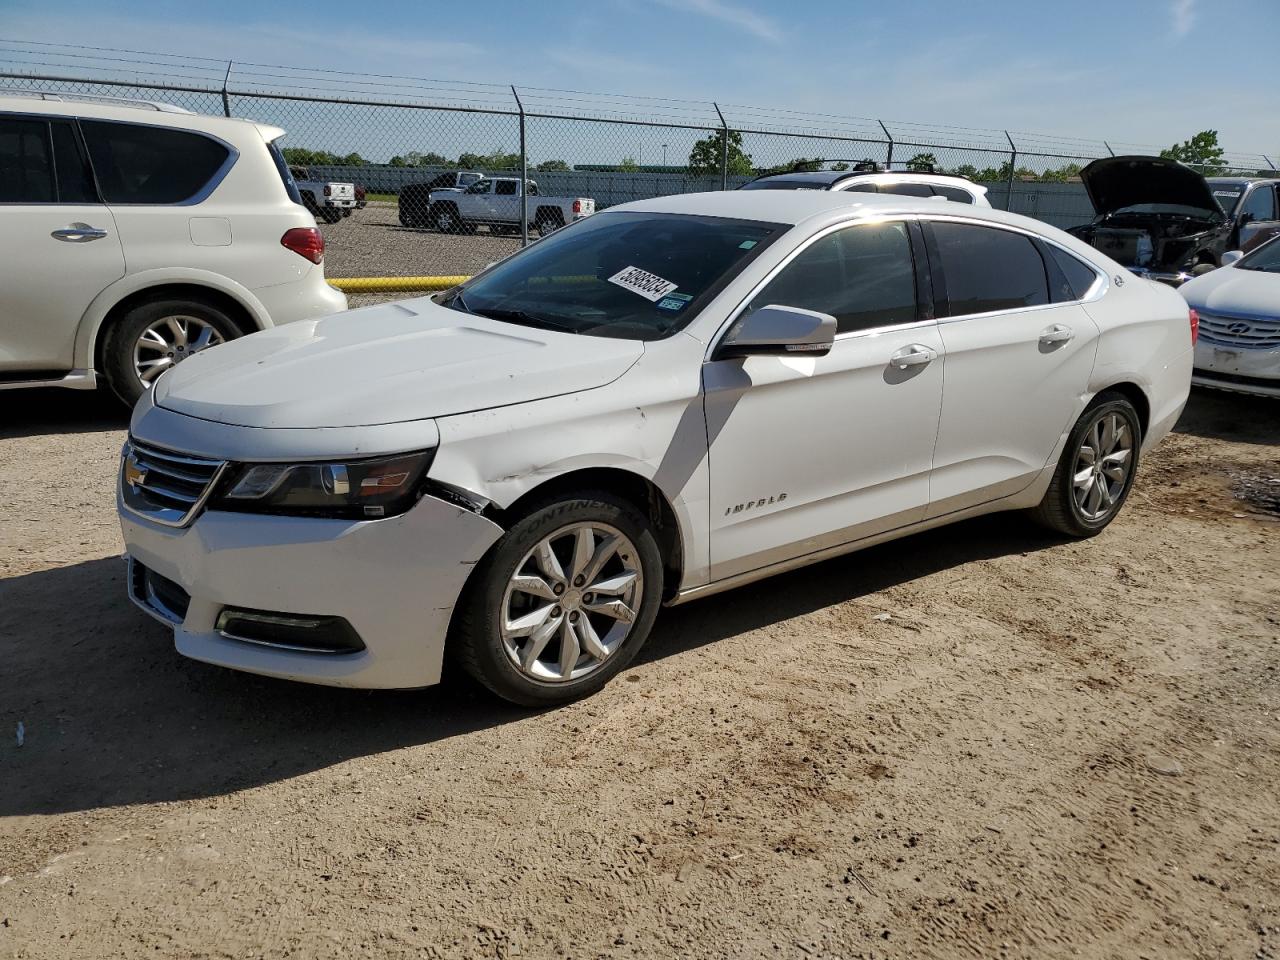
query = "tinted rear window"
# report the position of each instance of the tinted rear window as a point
(1079, 277)
(907, 189)
(953, 193)
(988, 269)
(26, 162)
(141, 164)
(784, 185)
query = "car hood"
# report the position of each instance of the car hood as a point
(390, 363)
(1232, 292)
(1117, 182)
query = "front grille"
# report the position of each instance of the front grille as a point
(1248, 333)
(167, 487)
(160, 597)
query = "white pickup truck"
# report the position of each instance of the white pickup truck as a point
(495, 202)
(325, 199)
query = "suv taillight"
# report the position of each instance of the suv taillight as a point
(577, 206)
(305, 242)
(1195, 326)
(328, 189)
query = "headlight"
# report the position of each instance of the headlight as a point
(356, 489)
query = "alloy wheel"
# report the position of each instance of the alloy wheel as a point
(168, 341)
(571, 602)
(1103, 463)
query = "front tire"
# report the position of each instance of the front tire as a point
(154, 336)
(1096, 470)
(562, 603)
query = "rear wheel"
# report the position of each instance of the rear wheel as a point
(549, 221)
(330, 214)
(154, 336)
(562, 603)
(1096, 470)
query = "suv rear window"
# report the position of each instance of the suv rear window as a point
(154, 165)
(953, 193)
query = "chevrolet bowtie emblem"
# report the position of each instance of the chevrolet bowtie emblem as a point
(135, 475)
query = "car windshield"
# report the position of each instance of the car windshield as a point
(1265, 259)
(1227, 197)
(638, 276)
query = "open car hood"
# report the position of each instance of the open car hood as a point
(1117, 182)
(408, 360)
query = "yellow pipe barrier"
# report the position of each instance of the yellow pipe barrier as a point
(393, 284)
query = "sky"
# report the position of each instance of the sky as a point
(1135, 71)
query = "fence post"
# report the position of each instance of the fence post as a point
(724, 148)
(1108, 146)
(1269, 163)
(226, 102)
(888, 159)
(524, 176)
(1013, 166)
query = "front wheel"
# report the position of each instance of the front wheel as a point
(562, 603)
(154, 336)
(1096, 470)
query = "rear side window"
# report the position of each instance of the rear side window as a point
(953, 193)
(863, 187)
(26, 162)
(863, 276)
(154, 165)
(1077, 277)
(504, 188)
(988, 269)
(907, 189)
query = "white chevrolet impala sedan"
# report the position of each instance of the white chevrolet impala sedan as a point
(669, 399)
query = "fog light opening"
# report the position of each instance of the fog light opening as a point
(289, 631)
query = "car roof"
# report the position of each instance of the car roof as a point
(830, 177)
(138, 111)
(798, 206)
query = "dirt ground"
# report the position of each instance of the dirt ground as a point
(1046, 750)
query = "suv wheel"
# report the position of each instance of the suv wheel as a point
(562, 603)
(154, 336)
(1096, 470)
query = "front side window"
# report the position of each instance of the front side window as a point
(480, 186)
(862, 275)
(1260, 204)
(988, 269)
(26, 162)
(636, 276)
(151, 165)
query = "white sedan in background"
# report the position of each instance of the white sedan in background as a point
(1239, 308)
(665, 400)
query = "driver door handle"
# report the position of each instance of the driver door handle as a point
(78, 233)
(913, 355)
(1056, 334)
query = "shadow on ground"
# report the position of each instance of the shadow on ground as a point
(32, 413)
(1237, 417)
(113, 715)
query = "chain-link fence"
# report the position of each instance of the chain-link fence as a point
(412, 147)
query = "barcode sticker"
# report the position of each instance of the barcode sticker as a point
(648, 285)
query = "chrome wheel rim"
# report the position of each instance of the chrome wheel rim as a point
(444, 222)
(571, 602)
(168, 341)
(1103, 464)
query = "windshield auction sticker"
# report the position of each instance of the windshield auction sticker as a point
(648, 285)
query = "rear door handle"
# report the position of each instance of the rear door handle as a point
(1056, 334)
(913, 355)
(78, 233)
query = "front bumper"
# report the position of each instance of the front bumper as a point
(1240, 370)
(395, 581)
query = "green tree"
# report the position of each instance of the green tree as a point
(967, 170)
(552, 166)
(416, 159)
(628, 165)
(1061, 174)
(1202, 151)
(706, 156)
(924, 162)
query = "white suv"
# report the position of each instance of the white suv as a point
(866, 177)
(135, 234)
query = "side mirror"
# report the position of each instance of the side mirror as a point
(1231, 256)
(777, 331)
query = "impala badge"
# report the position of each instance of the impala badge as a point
(754, 504)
